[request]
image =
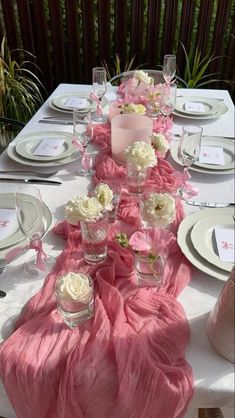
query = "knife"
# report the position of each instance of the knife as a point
(209, 204)
(56, 122)
(30, 181)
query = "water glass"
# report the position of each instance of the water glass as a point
(189, 145)
(82, 126)
(74, 294)
(95, 239)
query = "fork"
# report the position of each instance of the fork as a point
(26, 172)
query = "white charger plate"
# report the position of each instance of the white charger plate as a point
(211, 106)
(65, 97)
(26, 147)
(222, 109)
(18, 236)
(204, 241)
(186, 245)
(226, 143)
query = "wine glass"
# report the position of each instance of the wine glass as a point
(189, 149)
(31, 215)
(169, 68)
(168, 99)
(99, 84)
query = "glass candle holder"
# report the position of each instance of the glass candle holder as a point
(74, 294)
(94, 239)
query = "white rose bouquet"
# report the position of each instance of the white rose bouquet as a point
(140, 155)
(160, 143)
(104, 195)
(143, 77)
(159, 210)
(83, 209)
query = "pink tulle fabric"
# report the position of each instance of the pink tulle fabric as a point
(126, 362)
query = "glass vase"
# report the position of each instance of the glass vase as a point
(95, 239)
(136, 179)
(149, 270)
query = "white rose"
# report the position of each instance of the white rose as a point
(141, 155)
(104, 194)
(83, 209)
(74, 286)
(143, 77)
(134, 108)
(159, 210)
(160, 143)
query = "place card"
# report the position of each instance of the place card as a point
(8, 223)
(211, 155)
(49, 147)
(76, 102)
(225, 243)
(194, 107)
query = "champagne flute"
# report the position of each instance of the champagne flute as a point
(99, 84)
(189, 149)
(32, 221)
(169, 68)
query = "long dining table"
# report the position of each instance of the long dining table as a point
(213, 374)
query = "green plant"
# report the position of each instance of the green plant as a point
(20, 94)
(196, 70)
(117, 67)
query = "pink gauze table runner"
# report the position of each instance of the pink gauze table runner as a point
(129, 360)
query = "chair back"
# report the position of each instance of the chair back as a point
(155, 74)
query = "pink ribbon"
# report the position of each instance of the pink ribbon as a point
(98, 101)
(33, 245)
(86, 159)
(188, 190)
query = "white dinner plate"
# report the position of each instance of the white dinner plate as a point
(186, 245)
(26, 147)
(222, 109)
(11, 152)
(204, 242)
(18, 236)
(226, 143)
(62, 99)
(210, 106)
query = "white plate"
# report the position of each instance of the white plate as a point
(222, 142)
(203, 239)
(222, 109)
(210, 105)
(11, 152)
(18, 236)
(186, 245)
(26, 146)
(62, 99)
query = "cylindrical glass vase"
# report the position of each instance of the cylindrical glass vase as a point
(149, 270)
(136, 179)
(95, 239)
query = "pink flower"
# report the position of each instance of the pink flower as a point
(152, 241)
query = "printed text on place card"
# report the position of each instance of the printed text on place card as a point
(76, 102)
(194, 107)
(225, 244)
(8, 223)
(211, 155)
(49, 147)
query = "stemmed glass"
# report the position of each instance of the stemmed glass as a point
(189, 149)
(31, 215)
(169, 68)
(99, 84)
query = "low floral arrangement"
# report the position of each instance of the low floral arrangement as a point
(86, 209)
(150, 246)
(159, 210)
(160, 143)
(140, 155)
(104, 195)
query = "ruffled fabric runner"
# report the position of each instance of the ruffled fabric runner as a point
(129, 360)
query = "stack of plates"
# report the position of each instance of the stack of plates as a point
(60, 103)
(22, 150)
(208, 108)
(16, 236)
(228, 147)
(196, 240)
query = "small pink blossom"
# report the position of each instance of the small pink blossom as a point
(155, 241)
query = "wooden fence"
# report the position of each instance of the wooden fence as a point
(69, 37)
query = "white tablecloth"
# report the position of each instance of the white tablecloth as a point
(213, 375)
